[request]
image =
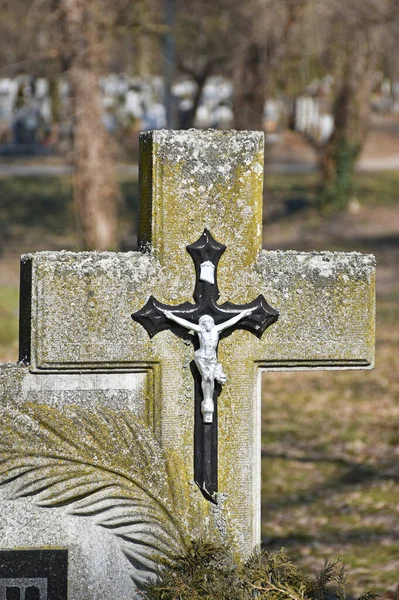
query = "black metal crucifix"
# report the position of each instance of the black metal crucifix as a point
(211, 322)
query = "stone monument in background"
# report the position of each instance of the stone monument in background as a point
(121, 438)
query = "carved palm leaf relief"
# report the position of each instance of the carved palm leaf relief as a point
(100, 463)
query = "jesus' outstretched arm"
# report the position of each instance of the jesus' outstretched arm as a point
(235, 319)
(182, 322)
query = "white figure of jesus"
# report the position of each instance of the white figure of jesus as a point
(206, 356)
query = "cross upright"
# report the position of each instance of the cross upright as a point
(196, 180)
(75, 313)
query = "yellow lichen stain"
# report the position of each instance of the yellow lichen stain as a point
(181, 210)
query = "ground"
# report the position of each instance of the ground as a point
(330, 440)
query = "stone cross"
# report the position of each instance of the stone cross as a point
(104, 397)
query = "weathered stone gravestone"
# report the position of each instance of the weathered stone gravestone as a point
(116, 445)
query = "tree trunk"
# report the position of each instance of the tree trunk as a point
(263, 27)
(95, 185)
(200, 81)
(351, 112)
(249, 87)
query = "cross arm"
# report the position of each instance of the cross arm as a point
(260, 317)
(153, 318)
(327, 302)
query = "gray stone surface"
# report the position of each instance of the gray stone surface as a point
(96, 566)
(327, 309)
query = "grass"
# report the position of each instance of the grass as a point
(28, 201)
(326, 493)
(330, 464)
(8, 323)
(37, 213)
(377, 188)
(301, 189)
(330, 460)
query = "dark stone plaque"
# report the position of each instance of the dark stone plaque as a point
(33, 574)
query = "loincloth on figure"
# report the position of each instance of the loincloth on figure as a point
(209, 367)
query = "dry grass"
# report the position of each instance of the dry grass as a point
(330, 440)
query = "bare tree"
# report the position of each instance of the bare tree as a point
(25, 38)
(263, 31)
(84, 27)
(136, 36)
(205, 40)
(354, 45)
(390, 54)
(244, 40)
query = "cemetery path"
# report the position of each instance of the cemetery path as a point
(371, 164)
(285, 168)
(27, 170)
